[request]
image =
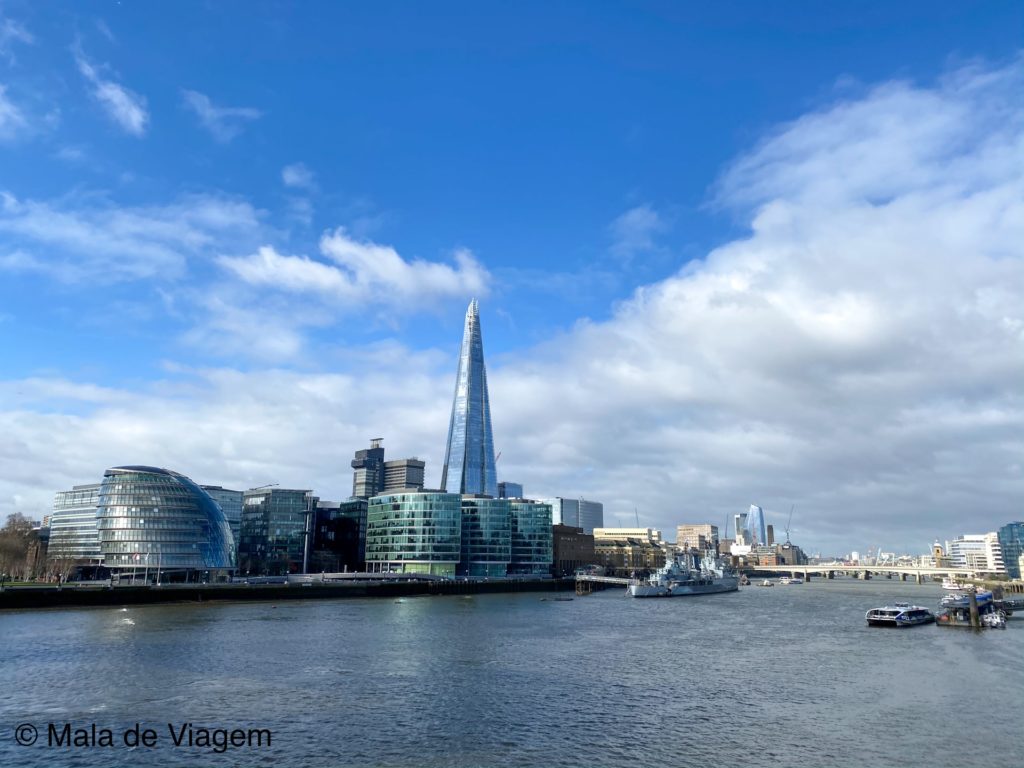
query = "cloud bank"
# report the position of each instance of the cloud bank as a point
(858, 352)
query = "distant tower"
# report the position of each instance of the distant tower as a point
(755, 526)
(368, 477)
(469, 456)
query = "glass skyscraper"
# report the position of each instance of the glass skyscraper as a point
(755, 526)
(469, 456)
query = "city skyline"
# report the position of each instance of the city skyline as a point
(712, 275)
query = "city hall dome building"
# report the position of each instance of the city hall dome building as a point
(163, 522)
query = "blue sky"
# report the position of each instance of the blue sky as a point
(200, 193)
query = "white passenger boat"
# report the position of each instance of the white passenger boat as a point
(899, 615)
(687, 573)
(791, 580)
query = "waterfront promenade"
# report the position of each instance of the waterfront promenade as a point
(45, 596)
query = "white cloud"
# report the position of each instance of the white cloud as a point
(12, 32)
(223, 123)
(297, 175)
(125, 107)
(90, 238)
(859, 353)
(12, 120)
(105, 30)
(363, 271)
(634, 231)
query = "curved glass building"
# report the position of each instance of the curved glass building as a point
(161, 521)
(486, 537)
(532, 539)
(416, 532)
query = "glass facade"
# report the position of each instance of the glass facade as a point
(339, 536)
(1011, 541)
(755, 527)
(276, 523)
(73, 532)
(414, 533)
(161, 520)
(578, 513)
(507, 490)
(469, 455)
(231, 504)
(532, 540)
(486, 537)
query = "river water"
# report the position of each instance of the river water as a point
(787, 676)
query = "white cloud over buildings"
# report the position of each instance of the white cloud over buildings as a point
(858, 352)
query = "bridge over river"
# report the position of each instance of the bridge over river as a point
(903, 572)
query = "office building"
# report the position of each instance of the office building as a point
(469, 454)
(577, 513)
(368, 471)
(699, 535)
(1011, 542)
(276, 528)
(740, 533)
(532, 547)
(231, 504)
(414, 532)
(486, 537)
(339, 537)
(979, 552)
(403, 474)
(508, 490)
(160, 522)
(571, 549)
(755, 527)
(74, 536)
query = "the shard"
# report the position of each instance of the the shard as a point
(469, 457)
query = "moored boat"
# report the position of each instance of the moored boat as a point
(899, 615)
(963, 600)
(687, 573)
(791, 580)
(989, 617)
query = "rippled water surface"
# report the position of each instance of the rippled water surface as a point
(788, 676)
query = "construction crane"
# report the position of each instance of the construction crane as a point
(790, 520)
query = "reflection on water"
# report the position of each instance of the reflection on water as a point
(782, 677)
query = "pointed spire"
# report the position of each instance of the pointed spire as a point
(469, 455)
